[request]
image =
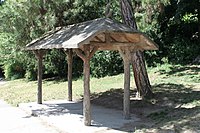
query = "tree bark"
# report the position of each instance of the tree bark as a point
(140, 74)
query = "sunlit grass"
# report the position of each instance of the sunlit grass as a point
(17, 91)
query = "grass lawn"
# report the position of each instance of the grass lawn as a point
(18, 91)
(176, 105)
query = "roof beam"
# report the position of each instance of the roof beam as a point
(99, 44)
(98, 39)
(107, 38)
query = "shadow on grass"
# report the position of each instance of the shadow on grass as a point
(166, 95)
(174, 104)
(177, 94)
(113, 98)
(181, 70)
(178, 69)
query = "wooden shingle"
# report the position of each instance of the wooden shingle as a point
(103, 32)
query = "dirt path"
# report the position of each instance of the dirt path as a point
(2, 82)
(14, 120)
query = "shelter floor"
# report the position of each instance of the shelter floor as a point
(68, 117)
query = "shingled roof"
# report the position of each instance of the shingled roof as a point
(103, 32)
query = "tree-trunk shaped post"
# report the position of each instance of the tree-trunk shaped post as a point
(39, 55)
(126, 55)
(69, 54)
(86, 55)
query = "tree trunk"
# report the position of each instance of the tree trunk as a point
(140, 73)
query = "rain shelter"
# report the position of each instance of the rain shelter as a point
(85, 39)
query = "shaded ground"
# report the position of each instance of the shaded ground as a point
(175, 108)
(68, 117)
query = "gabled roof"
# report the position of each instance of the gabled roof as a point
(103, 32)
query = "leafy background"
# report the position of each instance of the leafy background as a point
(172, 24)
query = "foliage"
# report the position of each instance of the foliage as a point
(19, 28)
(1, 2)
(14, 70)
(55, 63)
(172, 24)
(22, 21)
(106, 63)
(178, 31)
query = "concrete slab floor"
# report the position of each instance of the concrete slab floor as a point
(68, 117)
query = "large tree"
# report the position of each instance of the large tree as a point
(24, 20)
(138, 62)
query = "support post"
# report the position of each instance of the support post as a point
(69, 54)
(86, 98)
(126, 89)
(86, 56)
(39, 55)
(126, 102)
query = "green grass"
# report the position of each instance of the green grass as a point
(17, 91)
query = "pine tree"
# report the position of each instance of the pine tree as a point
(138, 62)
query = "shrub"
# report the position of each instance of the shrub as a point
(31, 75)
(106, 63)
(13, 70)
